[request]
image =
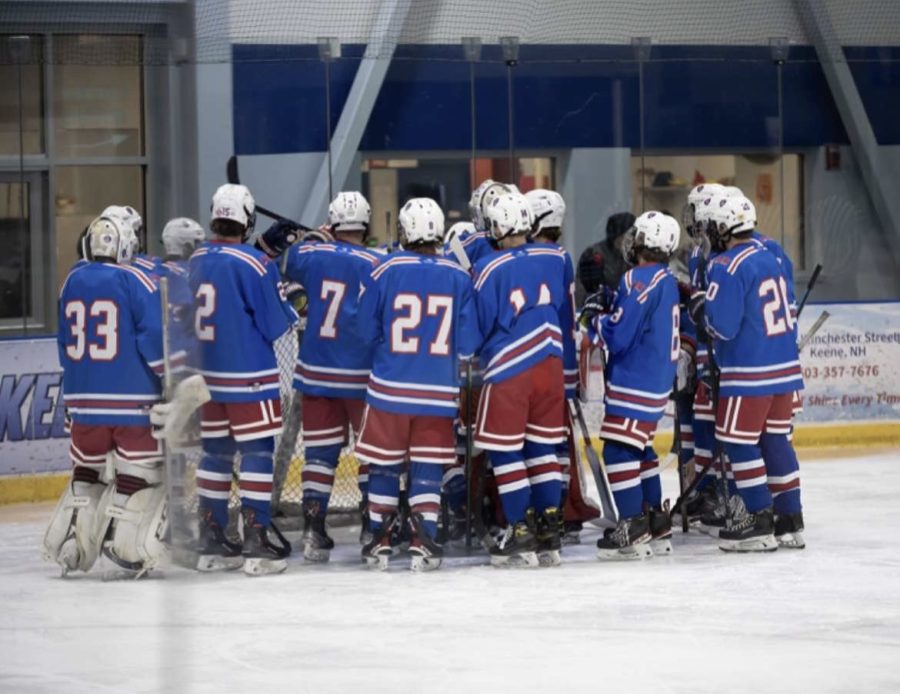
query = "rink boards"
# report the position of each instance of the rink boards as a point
(851, 368)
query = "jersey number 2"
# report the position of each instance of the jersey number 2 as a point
(107, 345)
(206, 306)
(411, 305)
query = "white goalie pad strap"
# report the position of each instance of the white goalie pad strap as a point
(151, 472)
(69, 540)
(140, 526)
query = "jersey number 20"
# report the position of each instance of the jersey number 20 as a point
(778, 303)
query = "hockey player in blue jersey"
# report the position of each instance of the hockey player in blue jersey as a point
(525, 299)
(110, 349)
(334, 361)
(642, 336)
(549, 210)
(134, 225)
(477, 242)
(239, 313)
(746, 309)
(180, 238)
(418, 310)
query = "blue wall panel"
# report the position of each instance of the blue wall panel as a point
(565, 96)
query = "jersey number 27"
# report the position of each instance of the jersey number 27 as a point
(410, 305)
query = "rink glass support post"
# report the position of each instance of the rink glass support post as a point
(779, 47)
(329, 49)
(510, 47)
(641, 46)
(472, 52)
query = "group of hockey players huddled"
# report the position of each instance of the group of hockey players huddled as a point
(451, 365)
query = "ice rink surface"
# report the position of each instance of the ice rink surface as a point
(826, 619)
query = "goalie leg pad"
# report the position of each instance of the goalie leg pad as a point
(139, 517)
(70, 540)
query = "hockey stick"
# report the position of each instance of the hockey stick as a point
(676, 449)
(456, 248)
(609, 513)
(232, 176)
(475, 493)
(809, 287)
(814, 328)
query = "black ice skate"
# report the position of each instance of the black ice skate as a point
(571, 532)
(517, 546)
(661, 529)
(548, 537)
(378, 551)
(629, 540)
(261, 555)
(712, 523)
(426, 554)
(755, 532)
(699, 504)
(215, 552)
(365, 535)
(317, 545)
(789, 530)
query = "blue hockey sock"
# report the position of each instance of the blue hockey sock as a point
(784, 472)
(256, 477)
(384, 493)
(650, 484)
(425, 493)
(564, 457)
(704, 448)
(318, 475)
(623, 467)
(746, 464)
(543, 475)
(214, 478)
(512, 483)
(454, 486)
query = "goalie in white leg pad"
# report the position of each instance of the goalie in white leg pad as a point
(70, 540)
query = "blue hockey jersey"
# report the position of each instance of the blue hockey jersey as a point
(333, 361)
(787, 267)
(419, 313)
(748, 313)
(526, 310)
(146, 264)
(476, 244)
(239, 312)
(642, 334)
(110, 344)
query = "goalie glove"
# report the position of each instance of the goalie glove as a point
(598, 303)
(171, 419)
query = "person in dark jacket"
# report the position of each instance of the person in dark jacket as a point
(603, 264)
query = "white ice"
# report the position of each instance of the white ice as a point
(826, 619)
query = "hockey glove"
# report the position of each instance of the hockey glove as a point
(278, 238)
(684, 371)
(598, 303)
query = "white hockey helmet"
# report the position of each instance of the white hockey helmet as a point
(110, 237)
(694, 199)
(349, 211)
(475, 213)
(459, 229)
(233, 201)
(726, 217)
(421, 221)
(509, 214)
(656, 231)
(133, 224)
(732, 191)
(548, 208)
(181, 236)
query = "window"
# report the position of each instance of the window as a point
(388, 183)
(21, 55)
(666, 181)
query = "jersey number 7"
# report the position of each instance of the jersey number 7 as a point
(411, 306)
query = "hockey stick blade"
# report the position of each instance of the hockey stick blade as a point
(609, 512)
(814, 328)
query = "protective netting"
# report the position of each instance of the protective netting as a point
(204, 31)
